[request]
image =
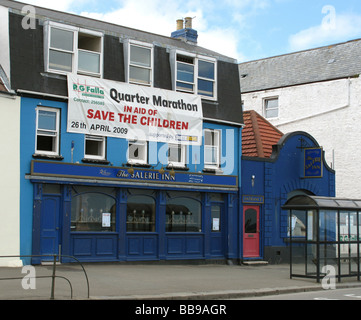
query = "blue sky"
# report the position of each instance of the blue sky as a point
(242, 29)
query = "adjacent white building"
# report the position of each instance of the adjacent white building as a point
(317, 91)
(10, 174)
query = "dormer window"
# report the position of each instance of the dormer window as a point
(139, 62)
(195, 74)
(74, 50)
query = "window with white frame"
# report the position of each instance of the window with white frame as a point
(176, 155)
(72, 49)
(139, 61)
(185, 74)
(195, 74)
(271, 108)
(47, 131)
(206, 78)
(95, 147)
(212, 148)
(137, 152)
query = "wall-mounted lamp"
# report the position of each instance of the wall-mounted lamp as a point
(253, 179)
(162, 170)
(131, 170)
(172, 172)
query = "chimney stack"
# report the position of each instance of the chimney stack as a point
(185, 31)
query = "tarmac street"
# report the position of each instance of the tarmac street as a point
(119, 281)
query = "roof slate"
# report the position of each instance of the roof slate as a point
(115, 29)
(326, 63)
(258, 135)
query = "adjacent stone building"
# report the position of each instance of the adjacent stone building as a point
(317, 91)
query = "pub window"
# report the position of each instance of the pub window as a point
(74, 50)
(137, 152)
(93, 210)
(211, 149)
(271, 108)
(47, 131)
(177, 155)
(140, 212)
(183, 212)
(95, 147)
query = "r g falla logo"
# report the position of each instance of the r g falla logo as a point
(89, 91)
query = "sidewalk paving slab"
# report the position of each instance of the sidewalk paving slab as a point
(119, 281)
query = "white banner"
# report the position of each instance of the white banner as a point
(115, 109)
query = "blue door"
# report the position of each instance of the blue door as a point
(217, 230)
(50, 226)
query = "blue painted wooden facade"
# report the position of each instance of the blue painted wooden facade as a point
(268, 183)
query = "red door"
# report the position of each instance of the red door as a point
(251, 231)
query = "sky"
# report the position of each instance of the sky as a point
(241, 29)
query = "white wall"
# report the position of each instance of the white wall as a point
(330, 111)
(10, 180)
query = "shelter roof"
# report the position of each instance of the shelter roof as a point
(316, 202)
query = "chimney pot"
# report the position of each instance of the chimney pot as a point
(188, 23)
(179, 24)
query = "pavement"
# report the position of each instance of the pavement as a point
(122, 281)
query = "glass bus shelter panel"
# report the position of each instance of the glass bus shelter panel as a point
(303, 232)
(303, 225)
(328, 225)
(349, 246)
(304, 261)
(348, 263)
(348, 230)
(311, 260)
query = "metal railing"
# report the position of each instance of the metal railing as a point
(55, 260)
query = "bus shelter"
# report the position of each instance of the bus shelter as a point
(324, 237)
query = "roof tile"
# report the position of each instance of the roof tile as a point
(258, 135)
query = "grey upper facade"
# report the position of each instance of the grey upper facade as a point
(29, 73)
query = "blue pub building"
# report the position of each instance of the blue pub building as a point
(130, 141)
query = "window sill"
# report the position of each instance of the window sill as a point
(210, 100)
(98, 161)
(177, 167)
(213, 170)
(138, 165)
(47, 156)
